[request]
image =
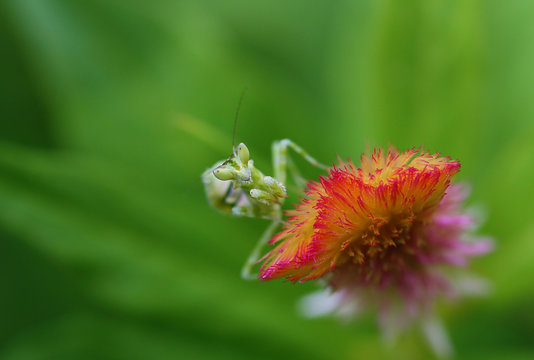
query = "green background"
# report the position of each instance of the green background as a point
(111, 110)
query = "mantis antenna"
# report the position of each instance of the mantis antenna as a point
(236, 116)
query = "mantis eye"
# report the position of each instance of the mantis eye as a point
(242, 153)
(224, 173)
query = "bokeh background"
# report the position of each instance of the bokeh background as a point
(111, 110)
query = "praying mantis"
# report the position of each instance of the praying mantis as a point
(235, 186)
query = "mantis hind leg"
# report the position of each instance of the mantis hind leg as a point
(282, 163)
(246, 272)
(299, 180)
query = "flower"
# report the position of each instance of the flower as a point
(386, 234)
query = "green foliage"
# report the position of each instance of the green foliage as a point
(111, 110)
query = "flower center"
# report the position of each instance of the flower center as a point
(381, 235)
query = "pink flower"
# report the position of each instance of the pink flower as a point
(384, 235)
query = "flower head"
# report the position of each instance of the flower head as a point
(382, 234)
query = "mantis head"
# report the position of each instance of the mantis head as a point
(237, 167)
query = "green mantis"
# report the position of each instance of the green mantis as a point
(235, 186)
